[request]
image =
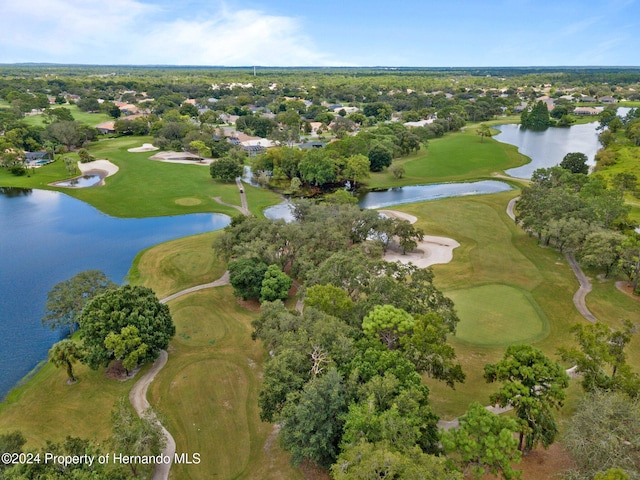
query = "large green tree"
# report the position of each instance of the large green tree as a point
(127, 345)
(575, 162)
(66, 299)
(226, 169)
(116, 309)
(388, 324)
(312, 420)
(382, 460)
(604, 434)
(275, 284)
(484, 442)
(537, 118)
(246, 276)
(533, 385)
(600, 358)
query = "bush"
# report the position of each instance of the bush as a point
(18, 170)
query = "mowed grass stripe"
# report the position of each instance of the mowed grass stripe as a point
(208, 390)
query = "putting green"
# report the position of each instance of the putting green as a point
(496, 315)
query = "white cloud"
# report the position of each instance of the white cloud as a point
(132, 32)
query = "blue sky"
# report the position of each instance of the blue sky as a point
(420, 33)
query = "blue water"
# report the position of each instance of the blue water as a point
(47, 237)
(420, 193)
(400, 195)
(547, 148)
(88, 180)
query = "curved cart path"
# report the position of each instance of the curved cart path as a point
(585, 285)
(244, 209)
(138, 393)
(138, 398)
(578, 300)
(223, 280)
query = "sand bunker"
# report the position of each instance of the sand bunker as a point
(102, 165)
(181, 157)
(146, 147)
(431, 250)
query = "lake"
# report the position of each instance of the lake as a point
(409, 194)
(47, 237)
(547, 148)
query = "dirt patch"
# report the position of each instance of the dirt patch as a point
(188, 201)
(115, 371)
(550, 463)
(253, 305)
(541, 464)
(311, 471)
(627, 289)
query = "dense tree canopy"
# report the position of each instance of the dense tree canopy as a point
(534, 385)
(537, 118)
(484, 442)
(115, 310)
(66, 299)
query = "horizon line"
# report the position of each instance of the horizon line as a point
(251, 66)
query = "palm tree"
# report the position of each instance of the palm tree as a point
(65, 353)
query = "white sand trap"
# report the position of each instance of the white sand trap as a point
(431, 250)
(146, 147)
(181, 157)
(103, 165)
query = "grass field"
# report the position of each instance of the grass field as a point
(91, 119)
(495, 252)
(145, 188)
(461, 156)
(46, 408)
(177, 265)
(206, 394)
(208, 390)
(498, 315)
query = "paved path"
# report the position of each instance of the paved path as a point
(243, 197)
(578, 300)
(585, 288)
(138, 398)
(138, 393)
(223, 280)
(244, 209)
(585, 285)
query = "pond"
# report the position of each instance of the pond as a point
(410, 194)
(547, 148)
(87, 180)
(47, 237)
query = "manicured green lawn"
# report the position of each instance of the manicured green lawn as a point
(495, 257)
(461, 156)
(91, 119)
(208, 390)
(145, 188)
(498, 315)
(173, 266)
(206, 394)
(46, 408)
